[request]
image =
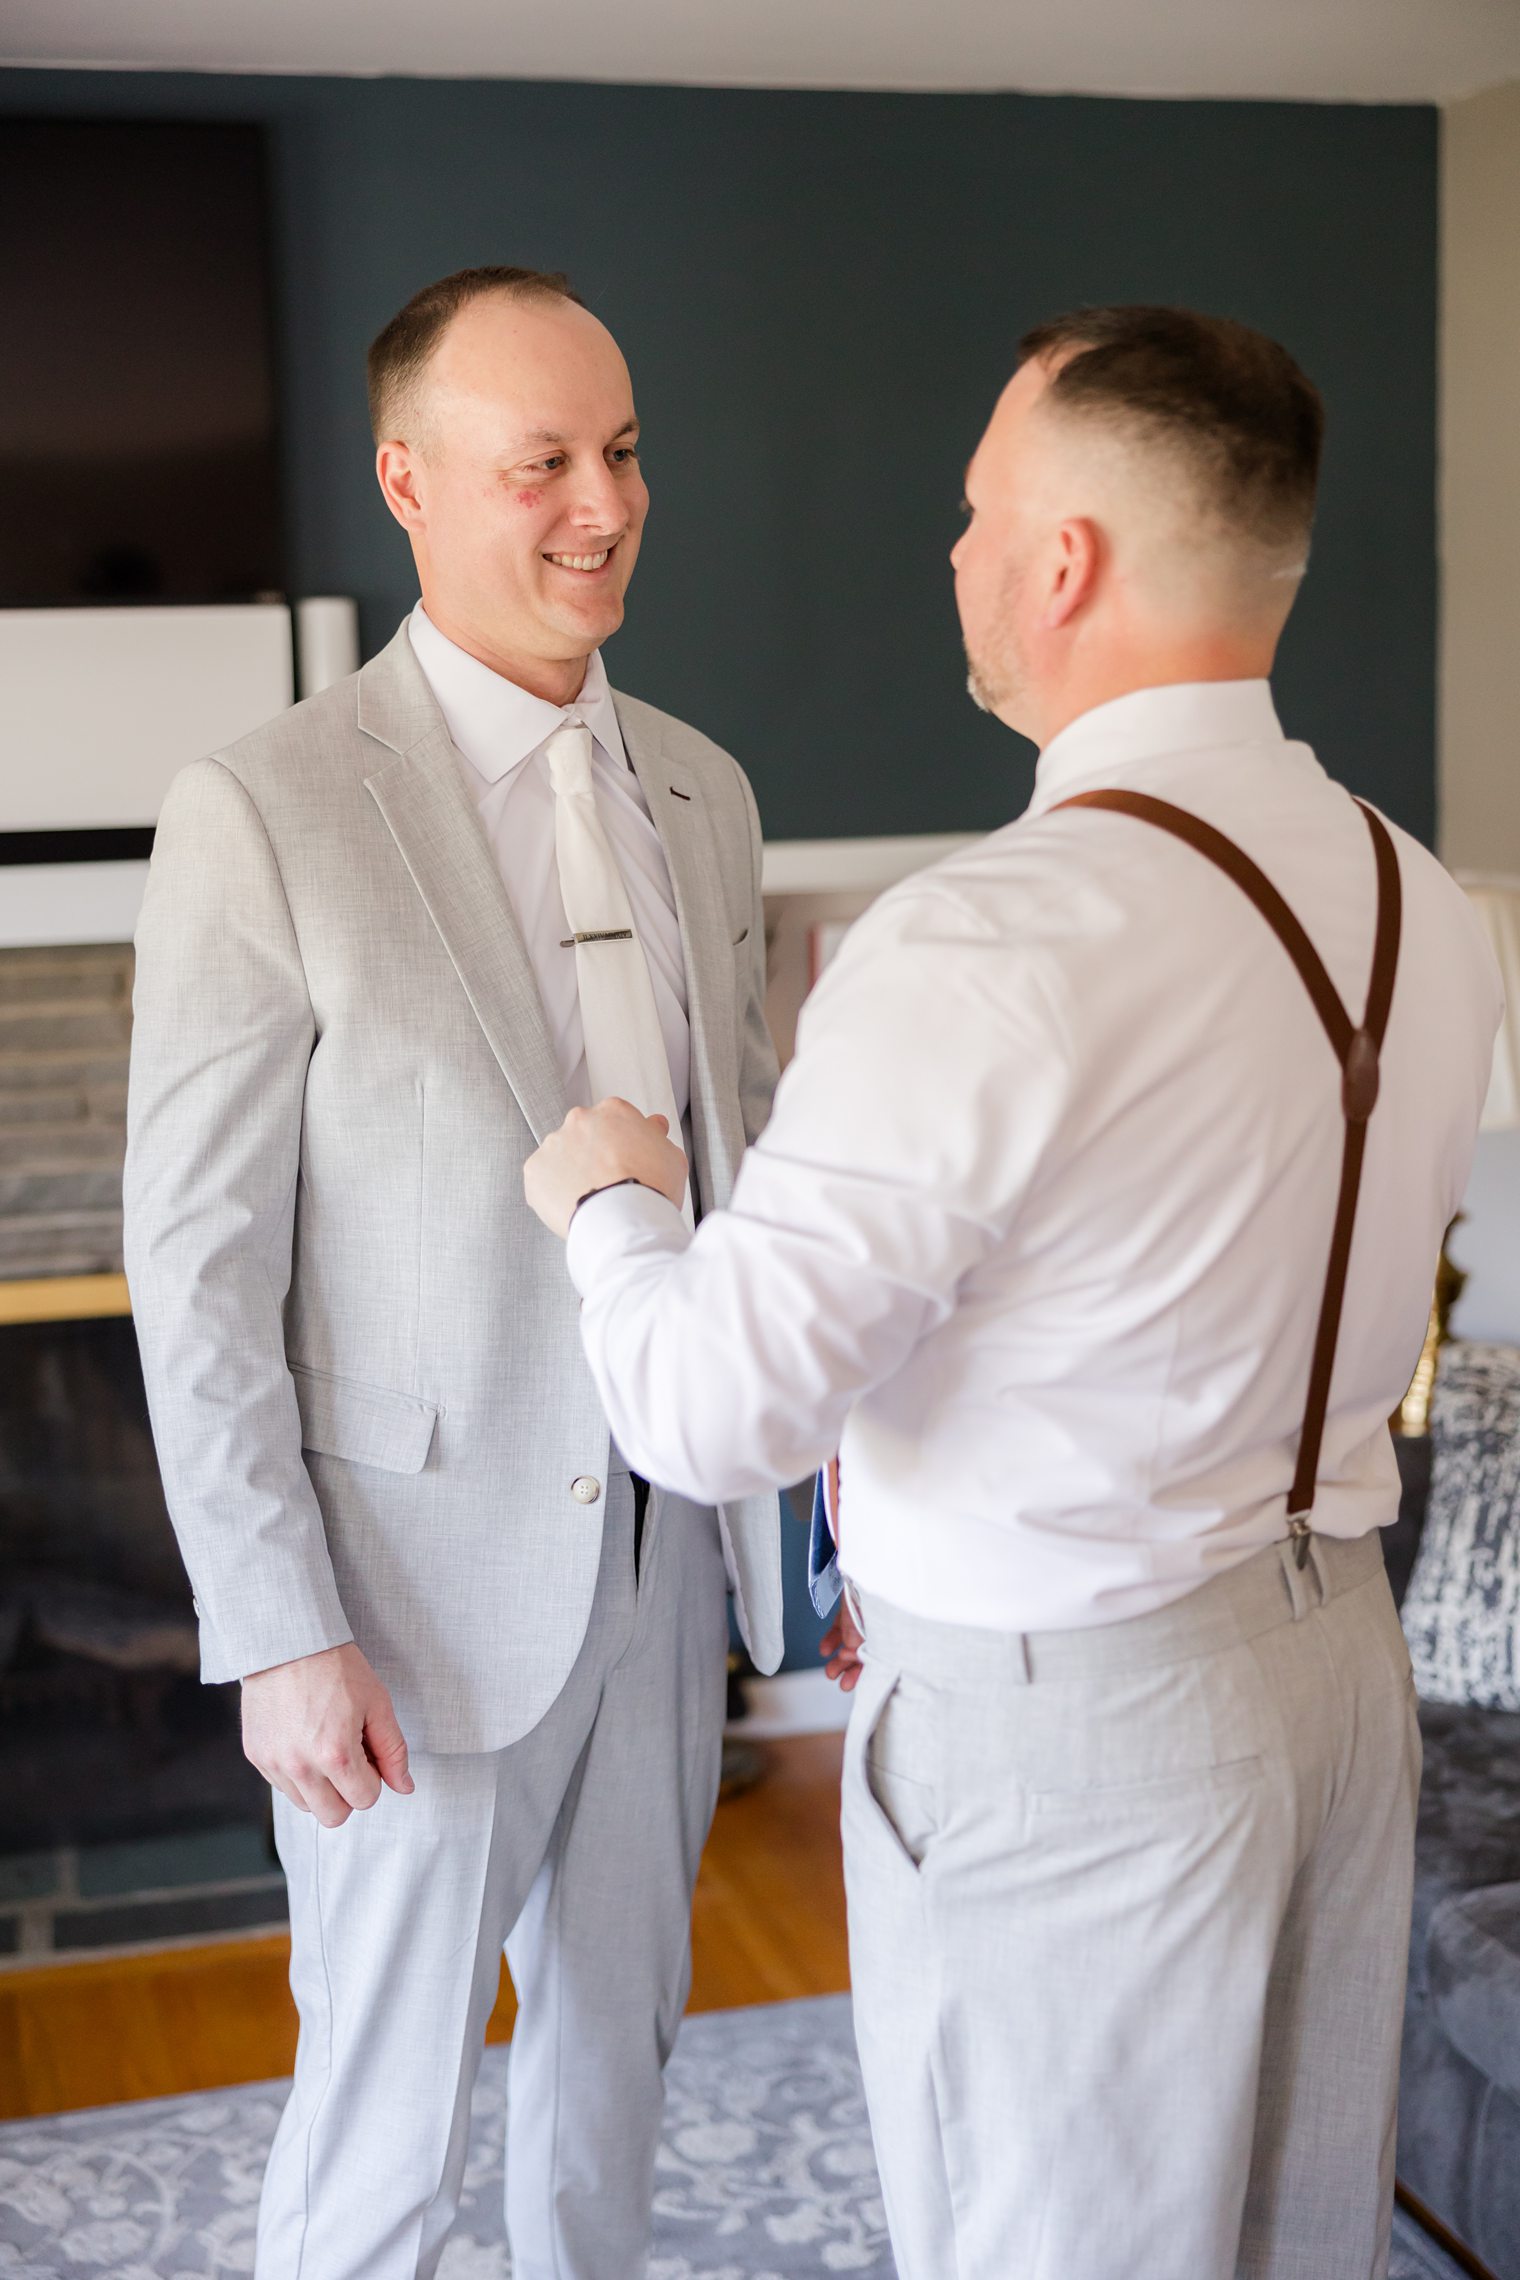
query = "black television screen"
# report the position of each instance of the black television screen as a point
(137, 444)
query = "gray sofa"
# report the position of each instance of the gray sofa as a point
(1459, 2101)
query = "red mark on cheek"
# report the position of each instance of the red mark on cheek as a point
(529, 498)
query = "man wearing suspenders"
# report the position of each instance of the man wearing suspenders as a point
(1094, 1229)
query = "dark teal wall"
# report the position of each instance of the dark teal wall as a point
(819, 295)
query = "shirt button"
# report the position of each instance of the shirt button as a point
(585, 1490)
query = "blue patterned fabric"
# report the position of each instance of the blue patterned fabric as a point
(1459, 2116)
(1469, 1828)
(1462, 1609)
(825, 1583)
(1474, 1973)
(1459, 2101)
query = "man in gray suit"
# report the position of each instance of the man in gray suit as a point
(388, 941)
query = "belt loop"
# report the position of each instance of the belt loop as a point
(1321, 1571)
(1024, 1666)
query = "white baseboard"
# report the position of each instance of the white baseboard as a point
(793, 1702)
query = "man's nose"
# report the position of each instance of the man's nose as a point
(598, 502)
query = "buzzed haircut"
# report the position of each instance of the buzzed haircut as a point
(398, 356)
(1228, 403)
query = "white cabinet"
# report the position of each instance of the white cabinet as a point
(98, 709)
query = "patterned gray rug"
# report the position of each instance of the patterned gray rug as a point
(765, 2172)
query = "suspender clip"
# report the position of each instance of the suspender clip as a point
(1299, 1532)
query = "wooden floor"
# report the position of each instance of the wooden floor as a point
(768, 1923)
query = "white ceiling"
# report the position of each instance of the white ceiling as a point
(1358, 50)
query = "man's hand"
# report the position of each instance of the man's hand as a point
(840, 1646)
(323, 1732)
(596, 1148)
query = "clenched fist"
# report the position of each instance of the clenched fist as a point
(601, 1147)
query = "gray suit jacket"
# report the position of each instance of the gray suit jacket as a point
(361, 1349)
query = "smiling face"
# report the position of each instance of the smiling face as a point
(519, 486)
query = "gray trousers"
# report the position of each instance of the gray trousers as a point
(577, 1850)
(1129, 1916)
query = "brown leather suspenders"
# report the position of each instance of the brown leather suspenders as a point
(1356, 1049)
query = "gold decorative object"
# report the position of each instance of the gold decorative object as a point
(1412, 1417)
(63, 1298)
(1496, 902)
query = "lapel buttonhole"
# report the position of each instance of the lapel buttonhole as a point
(675, 795)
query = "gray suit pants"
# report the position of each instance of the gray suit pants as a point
(1129, 1913)
(577, 1849)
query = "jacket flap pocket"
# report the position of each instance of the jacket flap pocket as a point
(368, 1425)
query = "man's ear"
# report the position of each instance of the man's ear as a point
(397, 473)
(1074, 571)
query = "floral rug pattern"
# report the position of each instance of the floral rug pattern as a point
(765, 2173)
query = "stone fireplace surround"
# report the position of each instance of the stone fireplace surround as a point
(127, 1810)
(65, 1026)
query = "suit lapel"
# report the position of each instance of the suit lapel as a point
(422, 796)
(679, 814)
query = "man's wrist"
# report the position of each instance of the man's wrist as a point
(606, 1188)
(628, 1221)
(288, 1662)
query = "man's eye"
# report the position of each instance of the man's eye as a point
(967, 510)
(622, 454)
(545, 466)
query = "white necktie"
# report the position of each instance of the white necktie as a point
(620, 1023)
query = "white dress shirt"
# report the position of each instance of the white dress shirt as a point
(1037, 1234)
(499, 731)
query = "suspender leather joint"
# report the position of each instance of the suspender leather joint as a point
(1360, 1077)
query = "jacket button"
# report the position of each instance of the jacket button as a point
(585, 1490)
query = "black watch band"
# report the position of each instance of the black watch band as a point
(606, 1190)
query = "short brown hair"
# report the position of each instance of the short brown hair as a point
(398, 355)
(1228, 401)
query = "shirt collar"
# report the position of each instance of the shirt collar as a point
(1184, 716)
(493, 722)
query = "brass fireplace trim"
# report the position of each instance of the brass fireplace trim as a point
(63, 1298)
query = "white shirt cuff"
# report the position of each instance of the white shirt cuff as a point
(611, 1223)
